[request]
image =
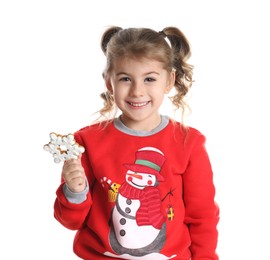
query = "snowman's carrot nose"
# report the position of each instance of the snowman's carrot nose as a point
(135, 175)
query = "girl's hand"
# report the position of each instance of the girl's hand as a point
(74, 175)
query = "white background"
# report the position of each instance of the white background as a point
(50, 79)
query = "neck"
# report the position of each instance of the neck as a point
(145, 125)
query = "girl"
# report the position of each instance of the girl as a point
(143, 188)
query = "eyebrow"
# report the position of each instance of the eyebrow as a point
(125, 73)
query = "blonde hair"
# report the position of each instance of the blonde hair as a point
(168, 46)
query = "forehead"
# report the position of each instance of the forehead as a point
(140, 63)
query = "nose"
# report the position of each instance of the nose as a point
(135, 175)
(136, 89)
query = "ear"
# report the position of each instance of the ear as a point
(109, 86)
(170, 81)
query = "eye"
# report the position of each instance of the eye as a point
(125, 79)
(149, 79)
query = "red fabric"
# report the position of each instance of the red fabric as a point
(187, 187)
(149, 212)
(69, 214)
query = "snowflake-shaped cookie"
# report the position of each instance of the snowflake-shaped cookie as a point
(63, 147)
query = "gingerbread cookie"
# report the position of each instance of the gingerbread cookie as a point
(63, 147)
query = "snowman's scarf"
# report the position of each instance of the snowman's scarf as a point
(149, 212)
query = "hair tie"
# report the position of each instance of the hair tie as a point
(162, 33)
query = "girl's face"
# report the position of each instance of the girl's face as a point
(138, 87)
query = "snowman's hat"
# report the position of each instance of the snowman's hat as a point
(148, 160)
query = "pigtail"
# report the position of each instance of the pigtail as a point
(107, 97)
(108, 103)
(183, 71)
(107, 35)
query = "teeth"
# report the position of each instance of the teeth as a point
(138, 104)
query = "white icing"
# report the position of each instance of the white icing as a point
(63, 147)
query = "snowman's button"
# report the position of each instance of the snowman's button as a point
(122, 232)
(128, 201)
(123, 221)
(127, 210)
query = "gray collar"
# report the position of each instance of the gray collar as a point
(121, 127)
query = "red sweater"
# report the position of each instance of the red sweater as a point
(151, 197)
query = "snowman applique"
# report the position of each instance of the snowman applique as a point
(138, 225)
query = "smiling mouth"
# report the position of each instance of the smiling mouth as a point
(138, 104)
(137, 184)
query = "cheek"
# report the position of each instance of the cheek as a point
(119, 95)
(149, 183)
(129, 178)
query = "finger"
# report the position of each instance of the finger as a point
(72, 174)
(79, 157)
(73, 167)
(77, 181)
(77, 184)
(72, 161)
(72, 170)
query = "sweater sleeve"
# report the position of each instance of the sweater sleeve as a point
(69, 213)
(202, 213)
